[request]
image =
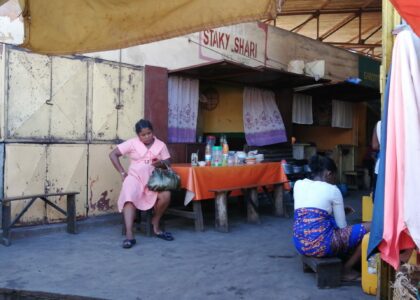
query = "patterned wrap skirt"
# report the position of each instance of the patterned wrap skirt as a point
(315, 233)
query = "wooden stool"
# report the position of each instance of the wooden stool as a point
(328, 270)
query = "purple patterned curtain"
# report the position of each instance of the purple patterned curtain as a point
(263, 123)
(183, 109)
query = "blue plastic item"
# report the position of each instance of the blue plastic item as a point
(343, 189)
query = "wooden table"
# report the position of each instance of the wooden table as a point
(218, 182)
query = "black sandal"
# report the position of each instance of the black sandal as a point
(127, 244)
(164, 235)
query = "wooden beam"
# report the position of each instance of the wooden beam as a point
(301, 25)
(330, 11)
(367, 3)
(366, 30)
(313, 16)
(372, 33)
(354, 45)
(338, 26)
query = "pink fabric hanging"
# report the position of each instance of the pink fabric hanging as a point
(400, 149)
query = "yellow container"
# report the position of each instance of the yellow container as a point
(369, 269)
(367, 208)
(413, 259)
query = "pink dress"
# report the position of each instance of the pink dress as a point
(134, 187)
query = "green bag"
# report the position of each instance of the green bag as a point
(164, 180)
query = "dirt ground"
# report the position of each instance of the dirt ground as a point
(249, 262)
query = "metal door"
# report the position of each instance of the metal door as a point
(105, 85)
(24, 174)
(131, 101)
(66, 171)
(104, 182)
(2, 89)
(28, 95)
(69, 99)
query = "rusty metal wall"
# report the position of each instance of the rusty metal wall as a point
(24, 174)
(117, 100)
(2, 90)
(66, 171)
(104, 182)
(63, 115)
(69, 85)
(28, 96)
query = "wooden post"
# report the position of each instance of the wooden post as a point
(252, 205)
(5, 223)
(386, 276)
(198, 214)
(278, 200)
(221, 212)
(71, 213)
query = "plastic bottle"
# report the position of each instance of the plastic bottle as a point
(225, 151)
(207, 156)
(216, 156)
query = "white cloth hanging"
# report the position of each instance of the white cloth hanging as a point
(263, 123)
(182, 109)
(302, 109)
(342, 114)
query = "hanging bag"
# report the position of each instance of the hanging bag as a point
(164, 180)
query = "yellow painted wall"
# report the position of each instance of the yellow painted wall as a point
(227, 116)
(326, 138)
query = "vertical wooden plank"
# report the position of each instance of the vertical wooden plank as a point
(156, 99)
(71, 214)
(221, 223)
(199, 223)
(386, 276)
(278, 201)
(252, 205)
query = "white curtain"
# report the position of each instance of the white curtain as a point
(342, 114)
(183, 109)
(263, 123)
(302, 109)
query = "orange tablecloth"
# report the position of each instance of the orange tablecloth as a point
(199, 180)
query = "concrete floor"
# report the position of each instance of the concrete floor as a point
(249, 262)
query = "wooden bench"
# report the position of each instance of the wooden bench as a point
(250, 193)
(327, 270)
(8, 224)
(196, 214)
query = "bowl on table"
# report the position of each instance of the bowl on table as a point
(250, 160)
(202, 163)
(259, 157)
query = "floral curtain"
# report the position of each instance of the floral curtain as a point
(183, 109)
(263, 123)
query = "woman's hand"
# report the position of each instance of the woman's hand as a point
(156, 163)
(348, 210)
(123, 175)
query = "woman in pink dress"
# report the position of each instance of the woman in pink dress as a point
(146, 152)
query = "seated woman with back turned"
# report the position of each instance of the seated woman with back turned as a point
(320, 228)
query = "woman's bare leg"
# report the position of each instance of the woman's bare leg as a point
(355, 257)
(129, 212)
(162, 203)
